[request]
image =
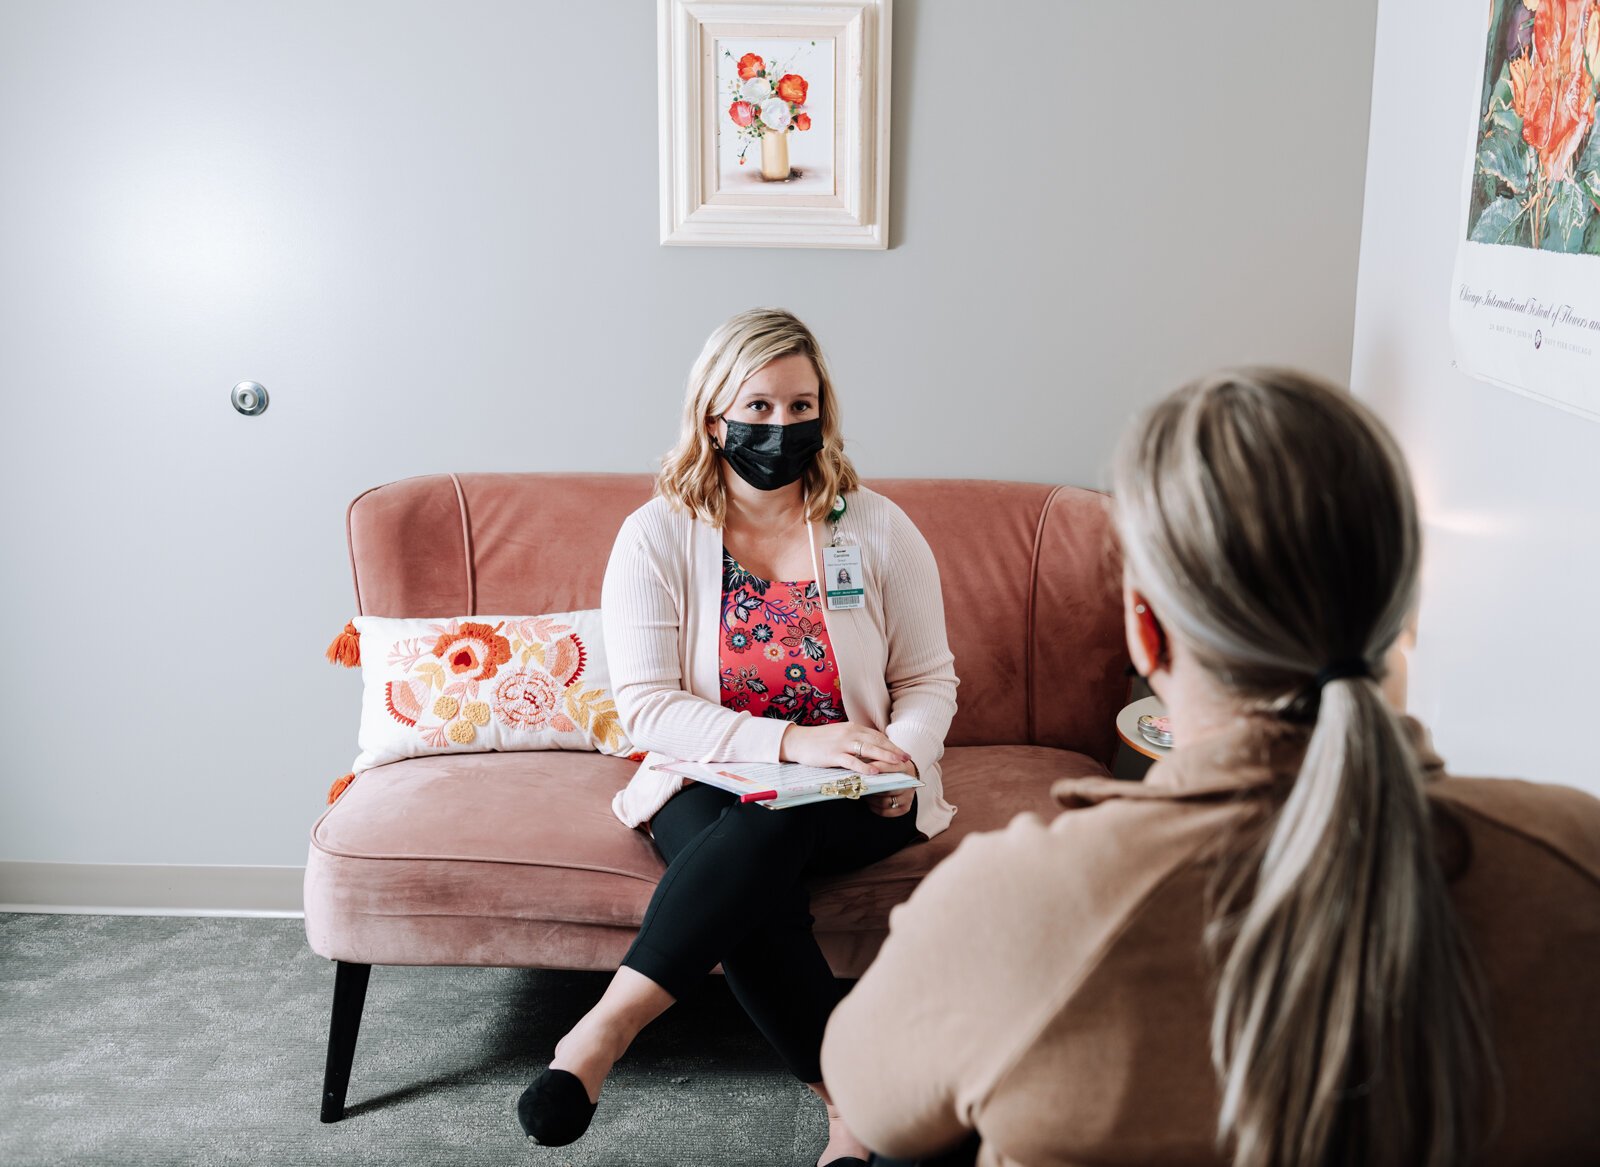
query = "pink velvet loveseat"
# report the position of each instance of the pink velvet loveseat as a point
(515, 859)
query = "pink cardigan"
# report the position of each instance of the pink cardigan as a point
(661, 606)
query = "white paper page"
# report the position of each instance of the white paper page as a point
(781, 776)
(786, 778)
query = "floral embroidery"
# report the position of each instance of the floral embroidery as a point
(403, 702)
(526, 700)
(532, 667)
(783, 619)
(474, 652)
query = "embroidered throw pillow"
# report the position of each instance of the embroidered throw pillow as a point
(477, 683)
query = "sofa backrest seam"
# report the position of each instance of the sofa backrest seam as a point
(466, 546)
(1033, 600)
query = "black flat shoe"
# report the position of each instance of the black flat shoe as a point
(555, 1109)
(846, 1161)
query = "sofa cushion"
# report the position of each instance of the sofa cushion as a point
(418, 855)
(990, 786)
(549, 808)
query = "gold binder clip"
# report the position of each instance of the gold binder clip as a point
(852, 787)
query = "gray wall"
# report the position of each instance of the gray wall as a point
(1504, 667)
(430, 230)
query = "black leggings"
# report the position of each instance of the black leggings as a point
(733, 892)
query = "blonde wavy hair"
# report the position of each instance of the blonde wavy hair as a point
(691, 477)
(1268, 518)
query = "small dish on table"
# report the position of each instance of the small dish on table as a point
(1143, 727)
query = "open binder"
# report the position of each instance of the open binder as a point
(779, 785)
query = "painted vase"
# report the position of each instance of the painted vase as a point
(775, 156)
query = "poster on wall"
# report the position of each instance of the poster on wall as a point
(1525, 307)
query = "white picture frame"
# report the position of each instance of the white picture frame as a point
(833, 56)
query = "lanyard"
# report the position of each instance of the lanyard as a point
(833, 518)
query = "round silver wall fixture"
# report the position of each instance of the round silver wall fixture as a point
(250, 398)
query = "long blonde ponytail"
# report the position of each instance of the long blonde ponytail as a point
(1269, 519)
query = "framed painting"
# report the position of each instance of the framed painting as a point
(774, 123)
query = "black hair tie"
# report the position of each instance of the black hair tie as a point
(1303, 708)
(1338, 670)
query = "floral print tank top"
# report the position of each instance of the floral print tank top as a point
(775, 656)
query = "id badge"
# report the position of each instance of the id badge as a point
(843, 581)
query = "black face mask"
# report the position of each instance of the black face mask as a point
(771, 456)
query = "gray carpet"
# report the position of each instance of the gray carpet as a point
(133, 1040)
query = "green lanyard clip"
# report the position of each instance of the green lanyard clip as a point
(834, 516)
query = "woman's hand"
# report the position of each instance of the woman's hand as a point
(847, 745)
(891, 804)
(850, 746)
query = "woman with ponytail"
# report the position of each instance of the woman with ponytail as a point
(1297, 941)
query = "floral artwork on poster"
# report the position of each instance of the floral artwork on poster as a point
(1537, 168)
(1525, 306)
(776, 133)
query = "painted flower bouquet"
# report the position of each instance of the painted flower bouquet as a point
(1536, 177)
(768, 102)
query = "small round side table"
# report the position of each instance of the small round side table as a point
(1128, 727)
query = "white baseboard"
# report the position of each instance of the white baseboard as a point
(151, 889)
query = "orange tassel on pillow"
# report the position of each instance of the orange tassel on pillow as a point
(338, 787)
(346, 648)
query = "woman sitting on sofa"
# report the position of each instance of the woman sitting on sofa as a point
(724, 646)
(1297, 941)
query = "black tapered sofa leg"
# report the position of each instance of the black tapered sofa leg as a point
(349, 994)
